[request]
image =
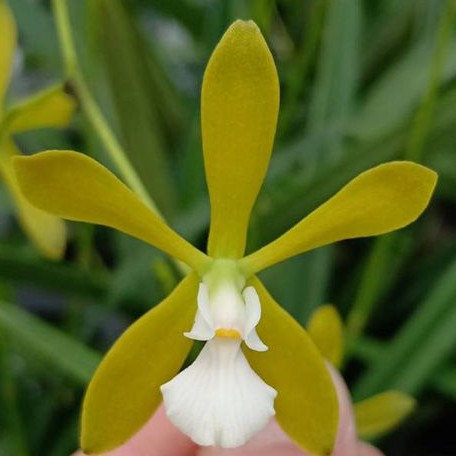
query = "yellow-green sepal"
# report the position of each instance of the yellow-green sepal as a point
(326, 329)
(382, 199)
(381, 413)
(50, 108)
(75, 187)
(124, 391)
(306, 405)
(7, 47)
(239, 109)
(47, 232)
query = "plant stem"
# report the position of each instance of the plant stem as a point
(94, 114)
(90, 107)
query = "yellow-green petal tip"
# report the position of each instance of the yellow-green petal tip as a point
(382, 413)
(326, 330)
(239, 109)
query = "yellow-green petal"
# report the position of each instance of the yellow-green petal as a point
(7, 47)
(76, 187)
(49, 108)
(382, 413)
(380, 200)
(46, 231)
(124, 392)
(327, 331)
(306, 405)
(239, 108)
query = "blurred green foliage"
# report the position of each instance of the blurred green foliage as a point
(362, 82)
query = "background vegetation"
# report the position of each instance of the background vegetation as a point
(362, 82)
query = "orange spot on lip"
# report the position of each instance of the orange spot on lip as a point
(228, 333)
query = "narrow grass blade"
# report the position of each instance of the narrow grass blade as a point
(56, 348)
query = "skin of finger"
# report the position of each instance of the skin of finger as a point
(271, 441)
(158, 437)
(347, 441)
(368, 450)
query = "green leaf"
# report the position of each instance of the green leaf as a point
(405, 83)
(369, 350)
(420, 347)
(144, 100)
(56, 348)
(38, 38)
(332, 99)
(12, 438)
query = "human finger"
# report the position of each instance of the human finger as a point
(158, 437)
(365, 449)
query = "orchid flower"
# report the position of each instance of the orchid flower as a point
(49, 108)
(271, 441)
(257, 361)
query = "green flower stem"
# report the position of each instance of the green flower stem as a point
(372, 281)
(94, 114)
(90, 107)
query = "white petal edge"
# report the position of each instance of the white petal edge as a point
(203, 327)
(219, 400)
(253, 341)
(253, 315)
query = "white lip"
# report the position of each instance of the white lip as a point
(219, 400)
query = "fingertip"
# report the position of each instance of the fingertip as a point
(271, 441)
